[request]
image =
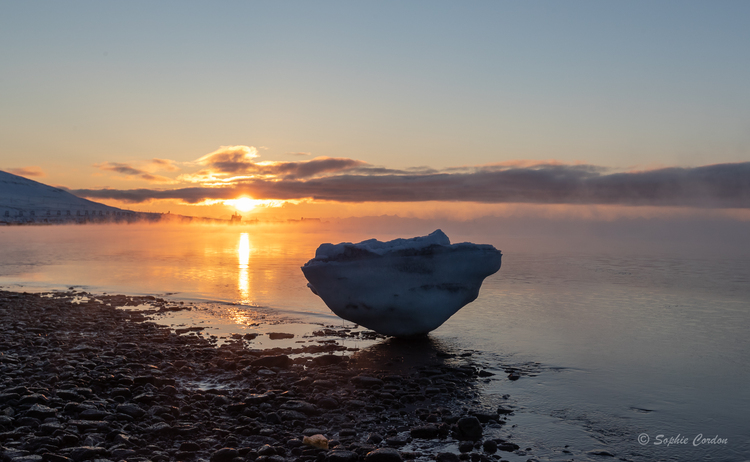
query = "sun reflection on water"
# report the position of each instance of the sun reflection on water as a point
(243, 278)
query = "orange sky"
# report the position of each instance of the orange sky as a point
(461, 109)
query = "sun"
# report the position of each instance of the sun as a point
(243, 204)
(246, 204)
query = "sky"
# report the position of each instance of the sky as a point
(413, 108)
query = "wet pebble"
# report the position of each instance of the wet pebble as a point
(224, 455)
(447, 457)
(342, 456)
(469, 427)
(384, 455)
(108, 384)
(425, 431)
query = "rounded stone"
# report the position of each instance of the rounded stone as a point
(224, 455)
(384, 455)
(489, 446)
(342, 456)
(190, 446)
(470, 428)
(447, 457)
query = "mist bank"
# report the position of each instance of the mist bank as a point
(719, 235)
(709, 186)
(709, 234)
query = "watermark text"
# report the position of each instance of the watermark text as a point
(680, 440)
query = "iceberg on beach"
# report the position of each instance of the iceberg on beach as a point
(403, 287)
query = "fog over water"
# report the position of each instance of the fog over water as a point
(622, 327)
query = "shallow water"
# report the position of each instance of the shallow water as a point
(614, 341)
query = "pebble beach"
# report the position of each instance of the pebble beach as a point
(83, 379)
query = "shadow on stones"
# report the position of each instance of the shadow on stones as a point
(402, 355)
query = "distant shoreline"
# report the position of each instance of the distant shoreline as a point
(124, 218)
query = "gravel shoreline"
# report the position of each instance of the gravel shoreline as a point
(83, 380)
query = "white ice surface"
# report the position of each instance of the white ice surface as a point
(331, 251)
(403, 287)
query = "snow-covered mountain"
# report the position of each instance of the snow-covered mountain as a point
(28, 201)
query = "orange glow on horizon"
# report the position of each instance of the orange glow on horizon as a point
(243, 204)
(270, 210)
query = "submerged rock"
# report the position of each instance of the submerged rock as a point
(403, 287)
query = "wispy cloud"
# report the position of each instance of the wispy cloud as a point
(230, 159)
(32, 171)
(164, 164)
(233, 163)
(348, 180)
(132, 172)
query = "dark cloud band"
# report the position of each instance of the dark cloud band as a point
(720, 185)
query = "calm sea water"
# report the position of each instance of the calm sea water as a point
(620, 344)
